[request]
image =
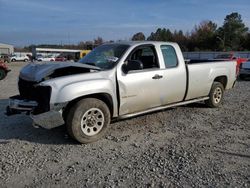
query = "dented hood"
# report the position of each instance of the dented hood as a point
(37, 71)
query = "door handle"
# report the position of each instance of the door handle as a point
(157, 77)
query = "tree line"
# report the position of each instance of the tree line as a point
(233, 35)
(207, 36)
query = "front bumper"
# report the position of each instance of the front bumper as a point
(47, 120)
(17, 105)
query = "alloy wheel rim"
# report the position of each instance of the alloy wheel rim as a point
(217, 95)
(92, 121)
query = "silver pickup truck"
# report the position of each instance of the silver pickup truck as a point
(116, 81)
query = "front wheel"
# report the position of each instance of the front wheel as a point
(87, 120)
(216, 95)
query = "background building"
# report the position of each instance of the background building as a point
(6, 49)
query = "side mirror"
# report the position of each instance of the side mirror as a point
(124, 68)
(132, 65)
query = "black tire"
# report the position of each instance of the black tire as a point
(215, 95)
(2, 74)
(13, 60)
(87, 120)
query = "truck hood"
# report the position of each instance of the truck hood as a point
(37, 72)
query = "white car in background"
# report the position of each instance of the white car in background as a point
(19, 57)
(46, 58)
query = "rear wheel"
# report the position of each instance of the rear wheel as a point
(87, 120)
(216, 95)
(2, 74)
(13, 60)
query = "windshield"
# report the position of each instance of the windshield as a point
(105, 56)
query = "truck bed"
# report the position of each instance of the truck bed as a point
(201, 76)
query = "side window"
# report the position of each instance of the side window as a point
(169, 56)
(147, 55)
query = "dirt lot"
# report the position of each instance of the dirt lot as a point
(189, 146)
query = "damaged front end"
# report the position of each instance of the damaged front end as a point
(17, 105)
(35, 98)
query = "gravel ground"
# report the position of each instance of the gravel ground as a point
(189, 146)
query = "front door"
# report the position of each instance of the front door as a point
(139, 89)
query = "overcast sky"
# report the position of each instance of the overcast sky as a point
(25, 22)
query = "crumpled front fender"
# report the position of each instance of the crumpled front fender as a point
(79, 89)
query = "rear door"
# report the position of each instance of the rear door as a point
(174, 80)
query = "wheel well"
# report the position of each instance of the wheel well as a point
(222, 80)
(101, 96)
